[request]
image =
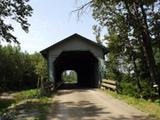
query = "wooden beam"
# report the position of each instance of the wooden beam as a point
(109, 81)
(109, 86)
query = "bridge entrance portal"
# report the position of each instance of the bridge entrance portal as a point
(84, 63)
(77, 53)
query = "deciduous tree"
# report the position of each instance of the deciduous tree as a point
(13, 11)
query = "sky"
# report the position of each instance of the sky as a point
(52, 21)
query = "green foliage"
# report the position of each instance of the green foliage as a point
(27, 94)
(129, 88)
(17, 11)
(19, 69)
(69, 76)
(133, 40)
(40, 69)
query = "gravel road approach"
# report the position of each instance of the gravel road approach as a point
(91, 104)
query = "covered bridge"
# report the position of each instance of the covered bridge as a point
(79, 54)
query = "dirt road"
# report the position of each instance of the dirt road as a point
(91, 105)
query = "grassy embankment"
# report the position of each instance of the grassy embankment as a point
(148, 106)
(27, 104)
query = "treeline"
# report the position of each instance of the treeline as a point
(133, 39)
(20, 70)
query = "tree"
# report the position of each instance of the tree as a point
(20, 70)
(134, 25)
(123, 17)
(14, 10)
(40, 69)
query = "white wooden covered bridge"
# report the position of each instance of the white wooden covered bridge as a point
(76, 53)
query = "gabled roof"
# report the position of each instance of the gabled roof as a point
(45, 51)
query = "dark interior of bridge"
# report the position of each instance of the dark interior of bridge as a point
(83, 62)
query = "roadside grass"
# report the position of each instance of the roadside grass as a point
(35, 109)
(26, 94)
(5, 103)
(152, 108)
(28, 105)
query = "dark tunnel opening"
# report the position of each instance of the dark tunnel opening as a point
(84, 63)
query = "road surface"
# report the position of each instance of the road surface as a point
(91, 104)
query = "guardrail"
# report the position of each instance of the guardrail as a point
(109, 84)
(59, 84)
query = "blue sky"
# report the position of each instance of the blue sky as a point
(51, 22)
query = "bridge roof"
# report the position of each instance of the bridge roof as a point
(45, 51)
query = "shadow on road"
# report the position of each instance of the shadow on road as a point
(32, 110)
(71, 90)
(68, 86)
(75, 105)
(85, 109)
(82, 110)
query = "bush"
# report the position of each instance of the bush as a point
(128, 88)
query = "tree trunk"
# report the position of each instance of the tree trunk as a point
(133, 59)
(136, 72)
(146, 40)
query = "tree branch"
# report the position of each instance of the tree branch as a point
(80, 10)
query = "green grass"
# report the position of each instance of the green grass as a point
(152, 108)
(27, 94)
(37, 109)
(28, 101)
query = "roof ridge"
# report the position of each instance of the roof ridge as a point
(71, 36)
